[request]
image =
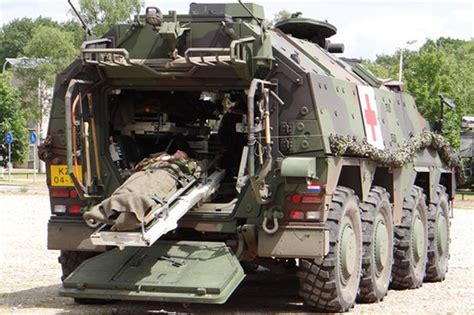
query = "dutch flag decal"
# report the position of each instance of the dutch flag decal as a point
(314, 188)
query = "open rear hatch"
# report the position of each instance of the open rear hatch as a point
(168, 271)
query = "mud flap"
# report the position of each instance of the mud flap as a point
(168, 271)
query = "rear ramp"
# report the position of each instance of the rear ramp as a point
(168, 271)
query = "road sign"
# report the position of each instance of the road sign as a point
(9, 138)
(33, 137)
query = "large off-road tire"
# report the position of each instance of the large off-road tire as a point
(70, 260)
(438, 237)
(377, 231)
(330, 284)
(411, 242)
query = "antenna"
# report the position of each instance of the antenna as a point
(443, 100)
(251, 13)
(86, 27)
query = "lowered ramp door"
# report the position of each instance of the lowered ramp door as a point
(169, 271)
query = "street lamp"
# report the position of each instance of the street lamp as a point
(7, 61)
(13, 62)
(23, 62)
(400, 71)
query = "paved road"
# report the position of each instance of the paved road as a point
(29, 275)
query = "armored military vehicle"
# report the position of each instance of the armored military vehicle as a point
(311, 160)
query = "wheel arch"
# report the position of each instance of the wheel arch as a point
(424, 180)
(430, 179)
(447, 179)
(383, 177)
(350, 177)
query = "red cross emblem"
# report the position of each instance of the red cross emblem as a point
(370, 117)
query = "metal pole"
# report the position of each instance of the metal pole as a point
(40, 103)
(34, 162)
(400, 71)
(9, 163)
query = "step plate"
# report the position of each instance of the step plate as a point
(168, 271)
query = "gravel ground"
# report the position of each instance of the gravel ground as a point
(29, 275)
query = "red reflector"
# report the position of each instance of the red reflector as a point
(75, 209)
(62, 193)
(73, 193)
(296, 215)
(311, 199)
(296, 198)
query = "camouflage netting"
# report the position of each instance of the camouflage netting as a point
(45, 152)
(347, 145)
(179, 164)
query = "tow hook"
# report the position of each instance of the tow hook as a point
(272, 214)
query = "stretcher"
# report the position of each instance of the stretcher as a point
(163, 218)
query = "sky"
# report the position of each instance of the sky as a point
(366, 27)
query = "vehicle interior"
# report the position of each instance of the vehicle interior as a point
(208, 126)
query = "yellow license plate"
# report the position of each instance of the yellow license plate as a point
(60, 177)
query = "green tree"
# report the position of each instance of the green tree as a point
(76, 31)
(12, 119)
(384, 66)
(15, 35)
(102, 14)
(54, 45)
(444, 66)
(281, 16)
(437, 69)
(53, 49)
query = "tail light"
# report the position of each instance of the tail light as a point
(310, 198)
(305, 198)
(296, 215)
(76, 209)
(296, 198)
(59, 193)
(305, 206)
(73, 193)
(63, 193)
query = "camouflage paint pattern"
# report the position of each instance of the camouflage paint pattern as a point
(222, 48)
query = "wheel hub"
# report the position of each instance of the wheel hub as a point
(348, 252)
(418, 238)
(381, 245)
(442, 233)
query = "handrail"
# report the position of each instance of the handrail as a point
(236, 54)
(205, 52)
(122, 52)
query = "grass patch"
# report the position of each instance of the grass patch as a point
(465, 197)
(24, 176)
